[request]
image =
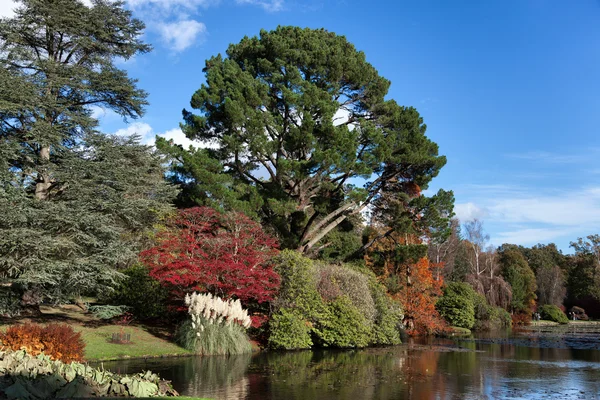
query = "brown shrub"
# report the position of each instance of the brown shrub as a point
(521, 319)
(58, 341)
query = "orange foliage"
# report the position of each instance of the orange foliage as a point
(58, 341)
(521, 319)
(418, 298)
(416, 286)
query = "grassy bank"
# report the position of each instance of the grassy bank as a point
(143, 344)
(146, 341)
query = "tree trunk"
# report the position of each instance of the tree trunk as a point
(43, 182)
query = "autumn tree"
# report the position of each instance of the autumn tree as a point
(409, 276)
(296, 117)
(225, 254)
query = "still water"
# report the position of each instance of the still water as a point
(535, 364)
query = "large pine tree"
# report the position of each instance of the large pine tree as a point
(298, 118)
(73, 201)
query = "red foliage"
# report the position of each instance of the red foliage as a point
(520, 319)
(258, 320)
(58, 341)
(222, 253)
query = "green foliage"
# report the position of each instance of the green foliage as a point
(331, 306)
(270, 105)
(215, 339)
(144, 296)
(336, 281)
(342, 325)
(10, 303)
(73, 243)
(341, 245)
(516, 272)
(28, 377)
(74, 201)
(388, 319)
(456, 305)
(107, 311)
(552, 313)
(298, 290)
(289, 331)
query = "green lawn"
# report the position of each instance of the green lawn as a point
(456, 331)
(143, 344)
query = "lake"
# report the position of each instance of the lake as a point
(538, 363)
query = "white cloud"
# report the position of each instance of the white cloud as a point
(104, 115)
(182, 34)
(553, 158)
(137, 128)
(469, 211)
(268, 5)
(531, 236)
(6, 8)
(149, 136)
(527, 216)
(171, 4)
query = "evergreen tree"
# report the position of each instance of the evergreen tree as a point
(516, 272)
(297, 115)
(74, 201)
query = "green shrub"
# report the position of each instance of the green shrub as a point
(553, 313)
(145, 297)
(10, 303)
(330, 306)
(29, 377)
(343, 326)
(298, 290)
(289, 331)
(388, 320)
(456, 305)
(107, 312)
(336, 281)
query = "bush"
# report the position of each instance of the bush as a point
(336, 281)
(553, 313)
(107, 312)
(521, 319)
(57, 341)
(499, 317)
(28, 377)
(343, 326)
(298, 290)
(388, 320)
(579, 313)
(143, 295)
(456, 305)
(10, 303)
(330, 306)
(289, 331)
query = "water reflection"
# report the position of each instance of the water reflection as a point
(439, 369)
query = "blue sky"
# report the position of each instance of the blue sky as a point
(509, 90)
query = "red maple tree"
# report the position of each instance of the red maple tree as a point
(225, 254)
